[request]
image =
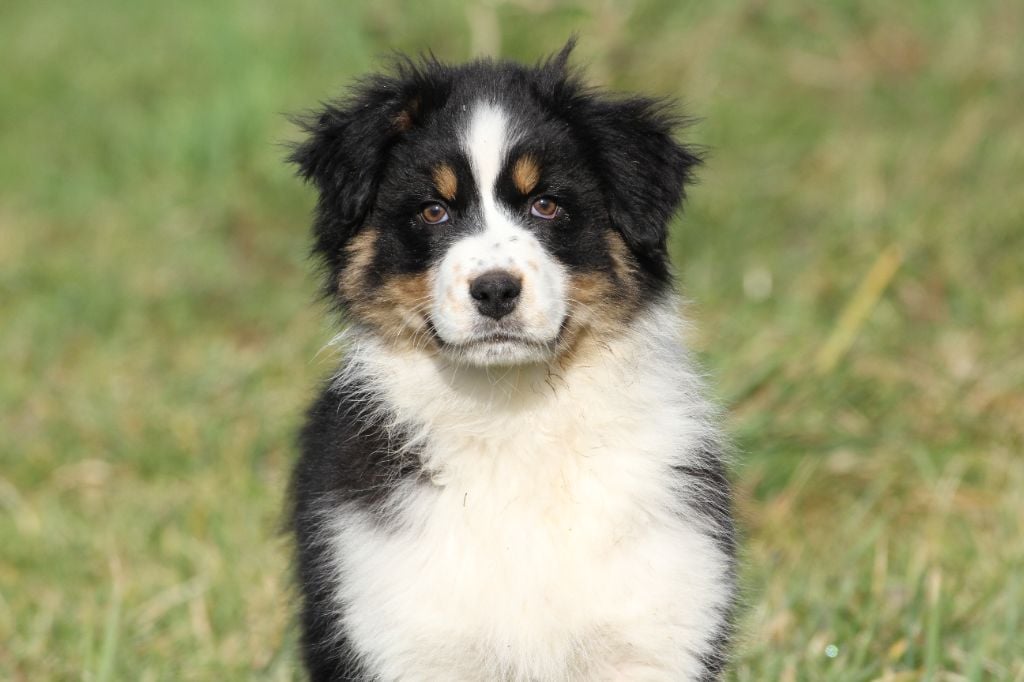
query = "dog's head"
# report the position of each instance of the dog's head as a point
(492, 213)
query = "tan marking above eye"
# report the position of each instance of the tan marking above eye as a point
(526, 174)
(445, 181)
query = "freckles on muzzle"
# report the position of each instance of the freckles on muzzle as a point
(503, 284)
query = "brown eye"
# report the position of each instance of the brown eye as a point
(434, 214)
(545, 208)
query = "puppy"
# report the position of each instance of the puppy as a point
(513, 476)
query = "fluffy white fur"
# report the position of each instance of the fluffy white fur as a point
(500, 244)
(551, 543)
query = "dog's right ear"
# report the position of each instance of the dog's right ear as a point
(348, 142)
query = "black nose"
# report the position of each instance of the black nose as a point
(496, 293)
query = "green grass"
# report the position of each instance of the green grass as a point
(159, 337)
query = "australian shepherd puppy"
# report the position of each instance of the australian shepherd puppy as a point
(513, 476)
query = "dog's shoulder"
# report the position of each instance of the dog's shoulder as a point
(347, 451)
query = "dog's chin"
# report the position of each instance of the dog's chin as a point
(500, 350)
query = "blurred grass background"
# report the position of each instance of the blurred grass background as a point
(854, 255)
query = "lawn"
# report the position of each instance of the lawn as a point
(853, 260)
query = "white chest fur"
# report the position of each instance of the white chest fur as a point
(553, 542)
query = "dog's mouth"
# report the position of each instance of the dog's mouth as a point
(502, 337)
(498, 347)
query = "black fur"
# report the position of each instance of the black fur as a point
(710, 494)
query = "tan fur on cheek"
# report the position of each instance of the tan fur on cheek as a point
(400, 304)
(593, 294)
(526, 174)
(623, 264)
(602, 303)
(396, 309)
(360, 251)
(445, 181)
(592, 312)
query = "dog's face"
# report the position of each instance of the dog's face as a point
(493, 214)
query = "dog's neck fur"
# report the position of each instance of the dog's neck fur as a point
(635, 387)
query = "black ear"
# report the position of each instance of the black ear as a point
(644, 170)
(348, 143)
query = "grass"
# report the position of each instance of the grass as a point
(853, 254)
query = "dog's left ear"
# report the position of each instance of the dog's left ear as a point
(644, 170)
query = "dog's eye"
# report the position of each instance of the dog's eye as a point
(434, 214)
(545, 208)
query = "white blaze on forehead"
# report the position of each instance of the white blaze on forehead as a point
(486, 143)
